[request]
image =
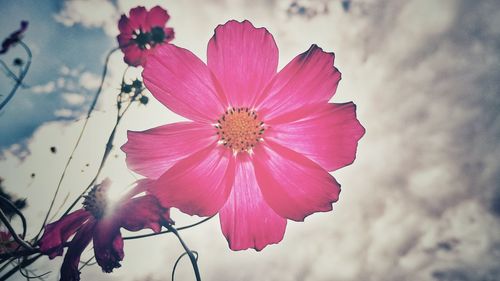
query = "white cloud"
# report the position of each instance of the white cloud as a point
(73, 99)
(47, 88)
(89, 80)
(89, 13)
(65, 113)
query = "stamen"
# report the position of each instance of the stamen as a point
(96, 202)
(238, 128)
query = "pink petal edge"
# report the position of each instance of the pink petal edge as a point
(326, 133)
(183, 83)
(244, 59)
(246, 219)
(199, 184)
(291, 184)
(309, 78)
(152, 152)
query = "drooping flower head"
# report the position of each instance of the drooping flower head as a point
(100, 221)
(14, 37)
(141, 32)
(260, 143)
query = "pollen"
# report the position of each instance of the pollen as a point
(240, 129)
(96, 201)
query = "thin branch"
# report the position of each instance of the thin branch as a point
(179, 259)
(21, 242)
(89, 112)
(166, 231)
(23, 264)
(11, 74)
(194, 260)
(19, 253)
(21, 77)
(8, 261)
(107, 151)
(28, 277)
(18, 212)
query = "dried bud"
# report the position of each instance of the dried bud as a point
(144, 100)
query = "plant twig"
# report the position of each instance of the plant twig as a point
(107, 151)
(179, 259)
(23, 264)
(18, 212)
(194, 261)
(89, 112)
(19, 80)
(167, 231)
(13, 233)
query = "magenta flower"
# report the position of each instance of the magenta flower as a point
(100, 222)
(141, 32)
(260, 143)
(14, 37)
(7, 242)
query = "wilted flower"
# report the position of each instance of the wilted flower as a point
(141, 32)
(260, 144)
(14, 37)
(100, 222)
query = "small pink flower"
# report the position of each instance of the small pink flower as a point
(141, 32)
(260, 143)
(100, 222)
(7, 243)
(14, 37)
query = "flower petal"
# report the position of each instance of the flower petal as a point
(56, 233)
(152, 152)
(327, 134)
(140, 213)
(108, 244)
(138, 17)
(169, 34)
(133, 55)
(309, 78)
(157, 17)
(291, 184)
(183, 83)
(244, 59)
(71, 263)
(199, 184)
(246, 219)
(124, 26)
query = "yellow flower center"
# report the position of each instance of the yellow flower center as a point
(240, 129)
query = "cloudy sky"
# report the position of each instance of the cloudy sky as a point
(421, 201)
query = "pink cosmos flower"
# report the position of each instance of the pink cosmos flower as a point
(260, 143)
(141, 32)
(100, 222)
(14, 37)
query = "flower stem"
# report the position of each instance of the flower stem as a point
(89, 112)
(19, 81)
(193, 259)
(107, 151)
(23, 264)
(178, 260)
(18, 212)
(13, 233)
(167, 231)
